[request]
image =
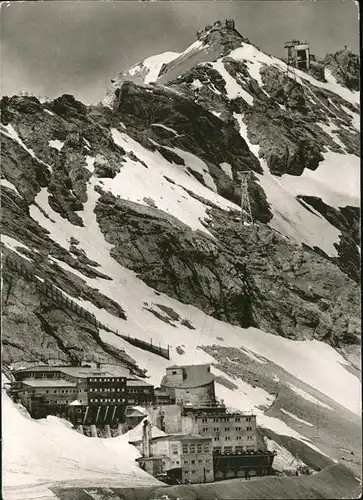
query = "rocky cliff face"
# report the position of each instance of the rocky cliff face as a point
(345, 67)
(153, 184)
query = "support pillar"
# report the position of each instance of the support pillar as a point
(107, 431)
(119, 429)
(80, 429)
(93, 431)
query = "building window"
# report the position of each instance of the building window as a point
(200, 461)
(192, 448)
(249, 428)
(205, 429)
(206, 448)
(207, 461)
(192, 462)
(173, 372)
(194, 471)
(238, 428)
(216, 420)
(228, 438)
(199, 448)
(186, 462)
(216, 438)
(249, 438)
(204, 420)
(226, 429)
(186, 472)
(185, 448)
(55, 391)
(228, 449)
(237, 419)
(248, 419)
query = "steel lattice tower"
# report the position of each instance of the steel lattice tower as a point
(246, 212)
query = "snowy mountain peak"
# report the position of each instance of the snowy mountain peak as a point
(144, 72)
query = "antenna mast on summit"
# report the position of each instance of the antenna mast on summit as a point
(246, 212)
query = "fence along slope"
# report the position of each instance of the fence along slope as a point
(53, 293)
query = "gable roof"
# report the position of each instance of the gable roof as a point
(194, 376)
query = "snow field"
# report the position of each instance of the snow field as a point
(10, 132)
(289, 217)
(56, 144)
(227, 169)
(30, 444)
(153, 65)
(355, 116)
(309, 397)
(233, 89)
(134, 182)
(13, 244)
(10, 185)
(336, 180)
(296, 418)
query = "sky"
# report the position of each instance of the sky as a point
(55, 47)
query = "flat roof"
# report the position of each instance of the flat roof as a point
(138, 383)
(79, 371)
(48, 382)
(182, 437)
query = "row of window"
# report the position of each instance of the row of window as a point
(106, 389)
(192, 462)
(226, 429)
(137, 401)
(107, 379)
(226, 419)
(65, 391)
(135, 391)
(238, 438)
(186, 471)
(61, 402)
(107, 400)
(192, 448)
(229, 449)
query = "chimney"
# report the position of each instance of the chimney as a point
(146, 438)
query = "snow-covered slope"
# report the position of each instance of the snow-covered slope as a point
(138, 210)
(145, 72)
(37, 453)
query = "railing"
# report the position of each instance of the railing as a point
(48, 289)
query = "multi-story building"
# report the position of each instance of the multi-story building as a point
(197, 459)
(187, 458)
(231, 432)
(161, 397)
(189, 384)
(139, 392)
(100, 393)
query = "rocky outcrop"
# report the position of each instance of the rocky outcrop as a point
(345, 67)
(247, 276)
(36, 328)
(347, 220)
